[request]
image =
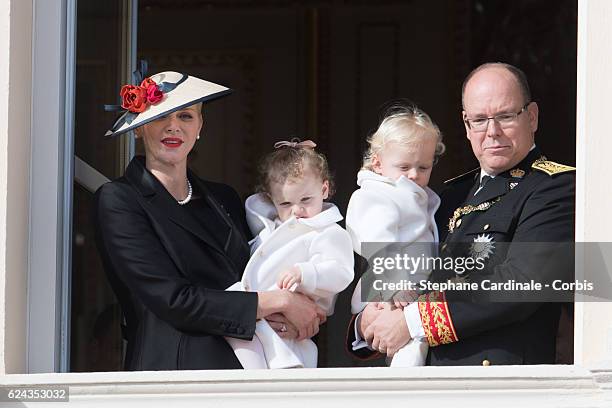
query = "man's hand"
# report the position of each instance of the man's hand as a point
(369, 314)
(289, 277)
(403, 298)
(389, 332)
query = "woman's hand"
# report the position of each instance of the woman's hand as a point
(299, 310)
(304, 314)
(281, 325)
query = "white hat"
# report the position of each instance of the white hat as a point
(160, 95)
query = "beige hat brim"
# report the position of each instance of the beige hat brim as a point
(191, 91)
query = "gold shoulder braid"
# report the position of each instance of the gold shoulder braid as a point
(460, 212)
(550, 167)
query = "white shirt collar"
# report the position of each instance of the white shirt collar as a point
(484, 173)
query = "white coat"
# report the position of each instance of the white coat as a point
(385, 210)
(318, 246)
(393, 211)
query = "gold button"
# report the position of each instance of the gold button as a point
(444, 246)
(486, 363)
(486, 227)
(458, 223)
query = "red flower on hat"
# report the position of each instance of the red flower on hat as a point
(147, 82)
(136, 98)
(154, 95)
(133, 98)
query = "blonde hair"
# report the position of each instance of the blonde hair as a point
(403, 124)
(291, 162)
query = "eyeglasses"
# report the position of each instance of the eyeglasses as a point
(504, 119)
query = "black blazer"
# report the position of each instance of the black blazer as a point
(169, 271)
(535, 213)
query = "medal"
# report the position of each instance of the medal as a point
(454, 221)
(517, 173)
(482, 247)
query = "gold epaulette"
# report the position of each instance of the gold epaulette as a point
(550, 167)
(461, 176)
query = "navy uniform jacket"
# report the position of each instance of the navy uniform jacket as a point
(169, 271)
(527, 205)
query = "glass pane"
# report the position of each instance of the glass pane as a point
(312, 69)
(96, 343)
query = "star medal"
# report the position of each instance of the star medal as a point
(513, 184)
(482, 247)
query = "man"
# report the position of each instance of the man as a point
(516, 197)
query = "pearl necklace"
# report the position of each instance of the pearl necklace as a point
(189, 193)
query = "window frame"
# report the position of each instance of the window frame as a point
(52, 174)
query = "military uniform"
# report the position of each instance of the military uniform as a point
(531, 203)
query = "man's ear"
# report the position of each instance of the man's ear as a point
(325, 189)
(533, 112)
(467, 128)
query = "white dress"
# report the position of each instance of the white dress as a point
(393, 211)
(320, 248)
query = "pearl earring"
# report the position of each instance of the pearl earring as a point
(198, 138)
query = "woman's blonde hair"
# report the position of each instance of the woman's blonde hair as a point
(291, 162)
(404, 124)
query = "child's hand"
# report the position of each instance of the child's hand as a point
(289, 277)
(402, 298)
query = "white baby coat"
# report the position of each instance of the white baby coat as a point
(318, 246)
(386, 210)
(393, 211)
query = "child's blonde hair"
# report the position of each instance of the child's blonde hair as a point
(290, 160)
(404, 124)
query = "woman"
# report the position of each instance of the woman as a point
(172, 242)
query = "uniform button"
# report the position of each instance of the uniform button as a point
(458, 223)
(240, 330)
(261, 253)
(246, 287)
(486, 227)
(444, 246)
(486, 363)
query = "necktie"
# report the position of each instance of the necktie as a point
(483, 181)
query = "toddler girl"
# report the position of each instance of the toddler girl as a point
(394, 204)
(298, 246)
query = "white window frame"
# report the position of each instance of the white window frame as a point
(54, 169)
(50, 193)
